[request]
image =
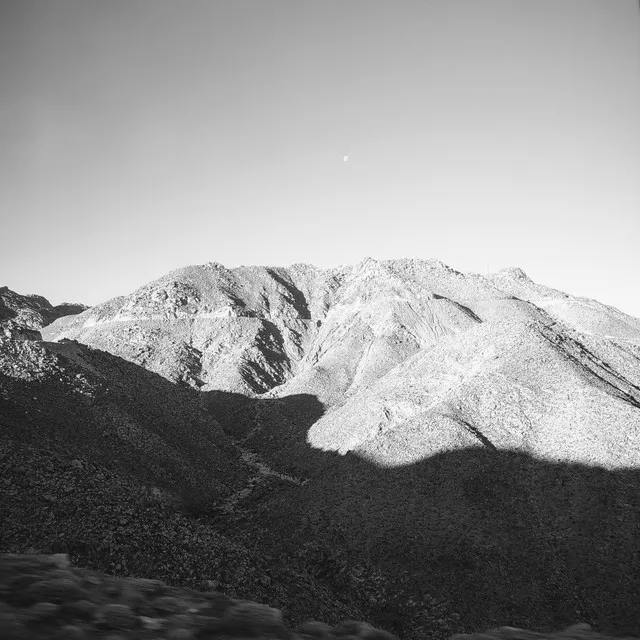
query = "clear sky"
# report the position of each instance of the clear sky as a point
(138, 136)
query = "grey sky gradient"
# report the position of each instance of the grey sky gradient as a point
(137, 136)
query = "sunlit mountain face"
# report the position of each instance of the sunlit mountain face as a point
(408, 357)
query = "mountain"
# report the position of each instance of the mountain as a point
(408, 358)
(431, 447)
(130, 474)
(512, 382)
(24, 316)
(332, 331)
(68, 397)
(240, 330)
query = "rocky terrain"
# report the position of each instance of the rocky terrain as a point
(45, 597)
(395, 441)
(111, 463)
(24, 316)
(328, 332)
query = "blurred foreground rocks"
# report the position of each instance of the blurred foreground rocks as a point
(45, 597)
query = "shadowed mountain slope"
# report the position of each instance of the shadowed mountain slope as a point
(500, 537)
(129, 474)
(69, 397)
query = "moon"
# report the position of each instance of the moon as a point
(345, 158)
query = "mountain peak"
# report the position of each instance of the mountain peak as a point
(513, 272)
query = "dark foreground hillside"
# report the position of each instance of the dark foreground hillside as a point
(105, 461)
(45, 597)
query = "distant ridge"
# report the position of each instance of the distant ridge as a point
(25, 315)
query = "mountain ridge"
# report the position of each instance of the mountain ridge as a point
(281, 310)
(25, 315)
(350, 335)
(475, 437)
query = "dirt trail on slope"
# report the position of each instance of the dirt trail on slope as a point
(262, 472)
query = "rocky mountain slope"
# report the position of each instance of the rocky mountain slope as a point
(130, 474)
(408, 358)
(24, 316)
(402, 432)
(240, 330)
(328, 332)
(513, 382)
(251, 329)
(68, 397)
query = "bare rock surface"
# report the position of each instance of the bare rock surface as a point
(513, 382)
(22, 316)
(300, 329)
(232, 329)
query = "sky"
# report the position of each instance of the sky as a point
(139, 136)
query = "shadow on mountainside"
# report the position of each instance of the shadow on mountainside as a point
(109, 462)
(91, 405)
(503, 538)
(497, 537)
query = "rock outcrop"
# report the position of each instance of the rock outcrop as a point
(239, 330)
(22, 317)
